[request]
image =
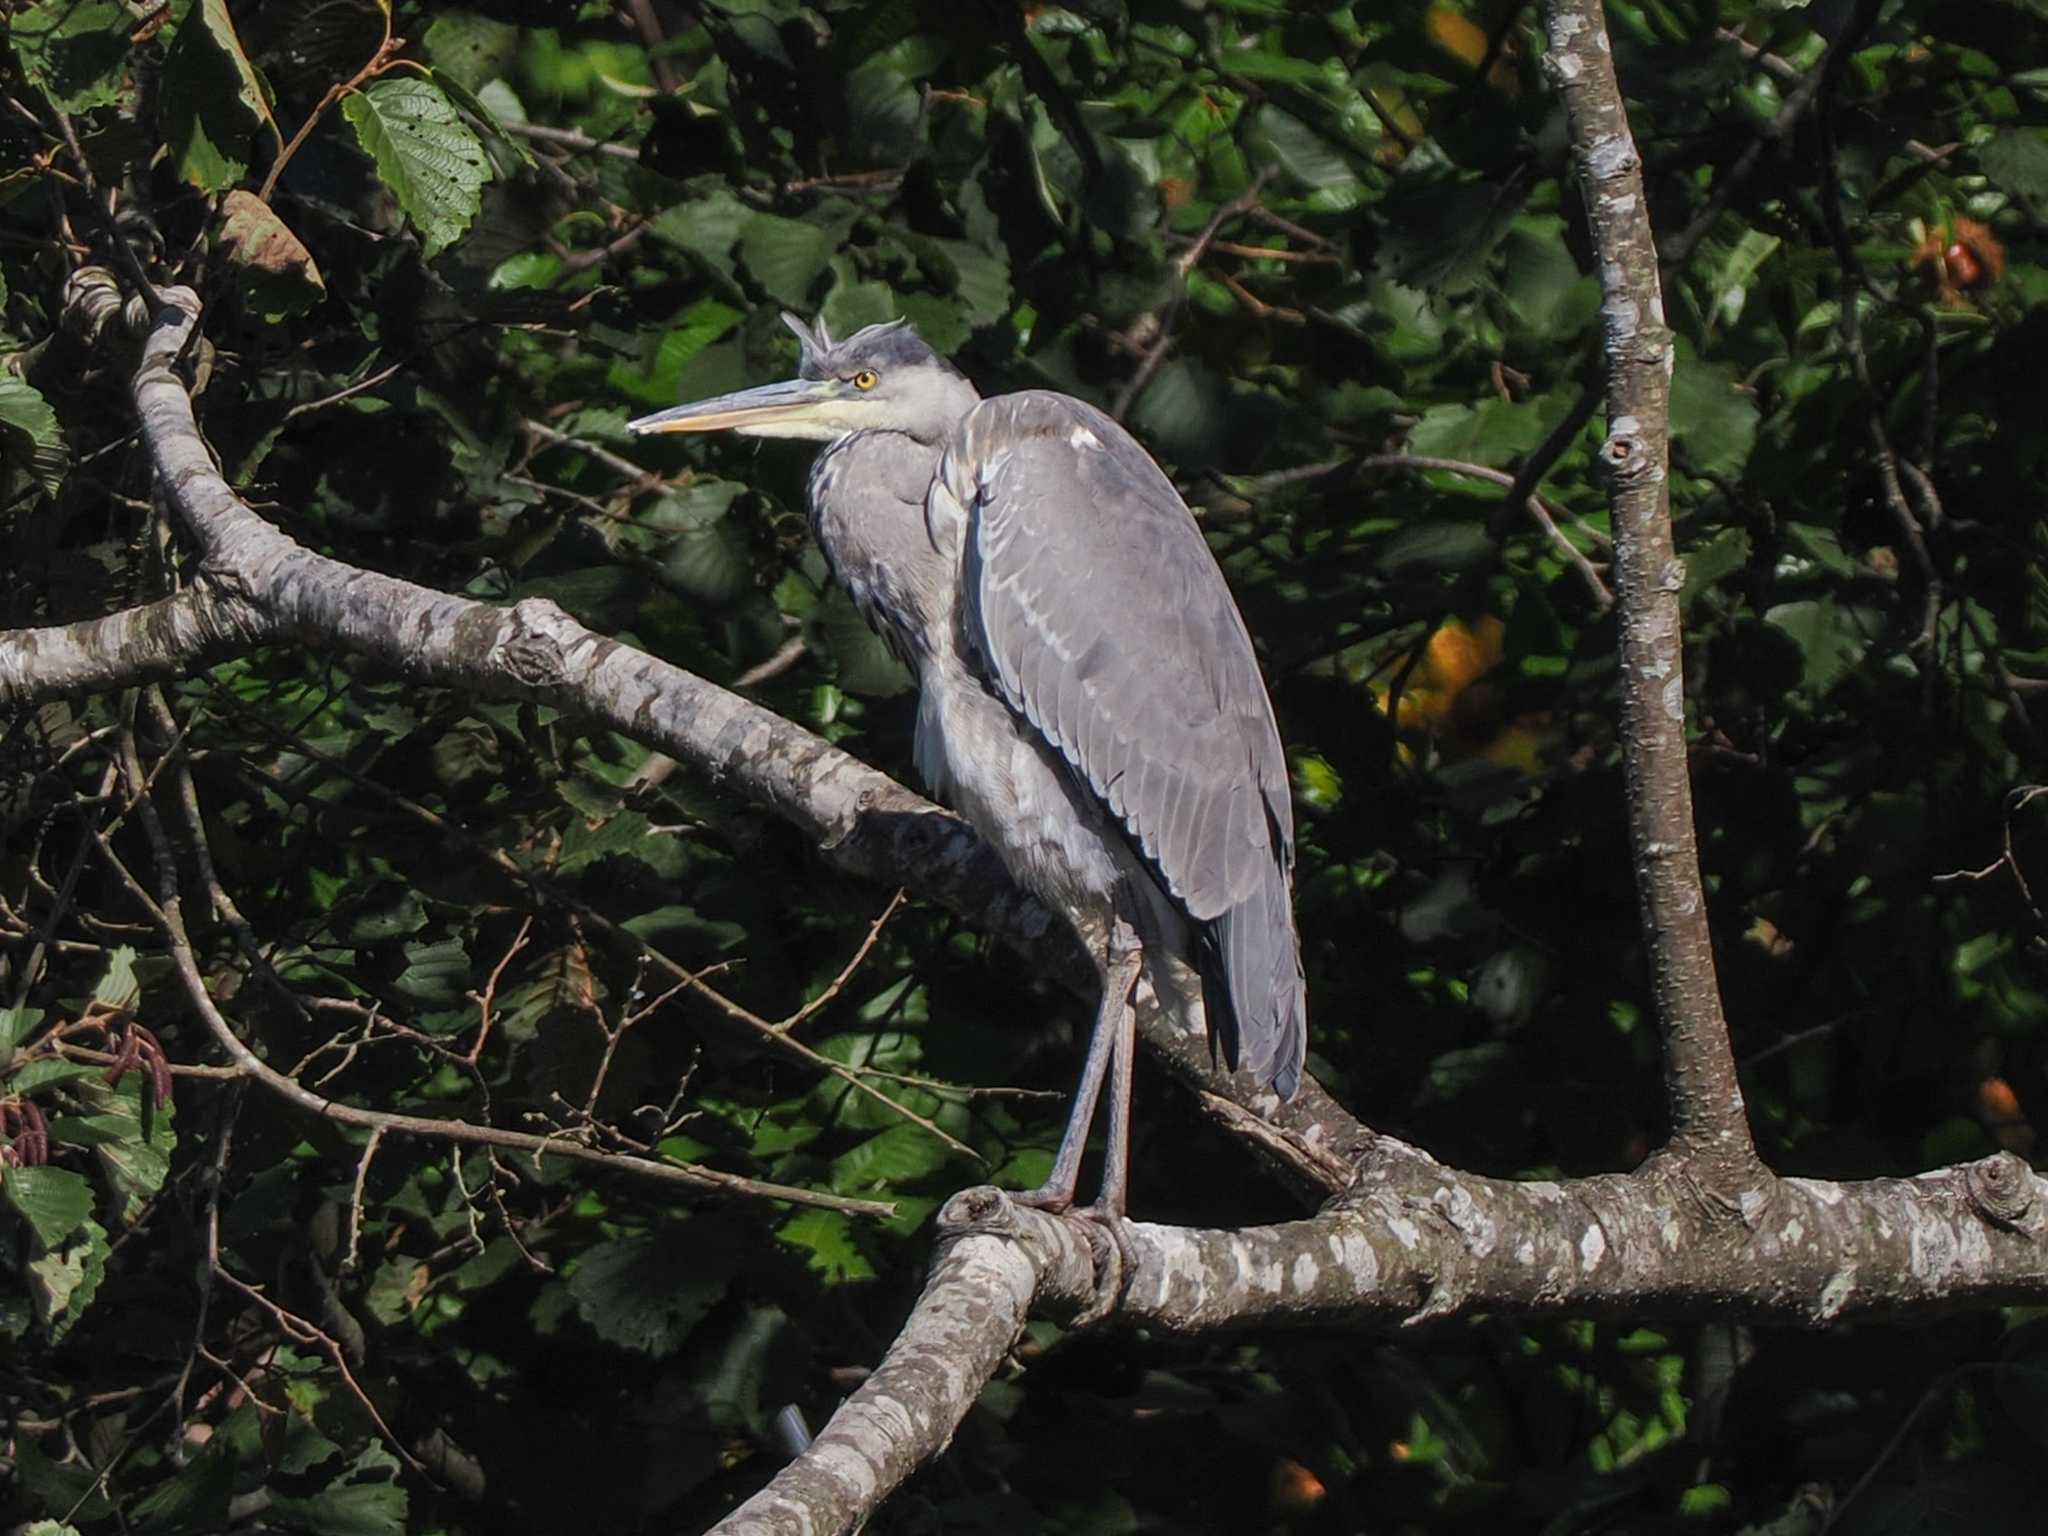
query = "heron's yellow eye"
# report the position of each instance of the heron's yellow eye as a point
(867, 378)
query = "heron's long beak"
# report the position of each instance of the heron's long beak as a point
(794, 408)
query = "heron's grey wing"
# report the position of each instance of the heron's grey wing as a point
(1096, 610)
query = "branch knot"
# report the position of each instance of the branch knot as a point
(2001, 1189)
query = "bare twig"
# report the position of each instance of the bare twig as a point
(568, 138)
(379, 61)
(838, 983)
(1185, 263)
(1539, 510)
(167, 910)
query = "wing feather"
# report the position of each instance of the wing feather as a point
(1094, 608)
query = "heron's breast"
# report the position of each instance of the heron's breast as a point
(993, 769)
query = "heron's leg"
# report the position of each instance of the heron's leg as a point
(1122, 1026)
(1119, 976)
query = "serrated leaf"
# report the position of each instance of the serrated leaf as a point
(345, 1509)
(1712, 420)
(901, 1154)
(708, 228)
(1493, 432)
(46, 1072)
(63, 1281)
(710, 564)
(274, 272)
(647, 1292)
(828, 1243)
(212, 98)
(386, 911)
(117, 986)
(1827, 637)
(472, 48)
(436, 974)
(785, 256)
(75, 50)
(132, 1139)
(425, 154)
(53, 1201)
(29, 436)
(492, 109)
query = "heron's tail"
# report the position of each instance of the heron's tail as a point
(1257, 1001)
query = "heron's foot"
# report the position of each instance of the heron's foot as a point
(1116, 1260)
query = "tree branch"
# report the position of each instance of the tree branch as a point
(1709, 1126)
(1415, 1242)
(155, 641)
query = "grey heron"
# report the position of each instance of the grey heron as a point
(1088, 697)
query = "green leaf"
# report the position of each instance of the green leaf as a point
(75, 50)
(646, 1293)
(862, 662)
(15, 1024)
(785, 256)
(1542, 283)
(275, 274)
(117, 986)
(196, 1499)
(1828, 637)
(47, 1072)
(1319, 167)
(53, 1201)
(827, 1241)
(707, 227)
(1712, 419)
(472, 48)
(1493, 432)
(1714, 561)
(63, 1281)
(436, 973)
(29, 437)
(345, 1509)
(425, 154)
(900, 1154)
(1446, 544)
(2017, 160)
(213, 100)
(132, 1139)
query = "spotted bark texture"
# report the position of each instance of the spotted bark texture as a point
(1708, 1125)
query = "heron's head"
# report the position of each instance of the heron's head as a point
(883, 378)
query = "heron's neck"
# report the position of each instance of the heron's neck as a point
(867, 496)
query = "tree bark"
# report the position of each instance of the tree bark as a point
(1709, 1126)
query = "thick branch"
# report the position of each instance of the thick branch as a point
(1708, 1122)
(997, 1264)
(156, 641)
(1417, 1242)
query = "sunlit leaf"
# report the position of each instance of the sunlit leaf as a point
(425, 154)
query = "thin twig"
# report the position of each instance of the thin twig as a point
(838, 983)
(1538, 509)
